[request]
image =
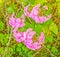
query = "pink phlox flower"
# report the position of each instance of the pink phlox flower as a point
(41, 38)
(23, 17)
(12, 21)
(16, 22)
(34, 14)
(42, 19)
(35, 11)
(26, 11)
(19, 36)
(28, 40)
(29, 35)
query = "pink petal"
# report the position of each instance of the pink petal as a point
(45, 7)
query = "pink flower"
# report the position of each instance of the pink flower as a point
(16, 22)
(26, 11)
(26, 37)
(41, 38)
(28, 40)
(34, 14)
(42, 19)
(29, 35)
(45, 7)
(49, 16)
(19, 36)
(35, 11)
(12, 21)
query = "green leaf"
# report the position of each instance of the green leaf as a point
(38, 29)
(10, 10)
(4, 38)
(2, 49)
(48, 39)
(1, 36)
(48, 46)
(11, 50)
(48, 12)
(32, 1)
(1, 25)
(24, 55)
(30, 54)
(26, 2)
(20, 13)
(8, 55)
(25, 49)
(19, 45)
(54, 50)
(40, 1)
(53, 27)
(18, 49)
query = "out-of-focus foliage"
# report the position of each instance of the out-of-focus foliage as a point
(58, 8)
(1, 25)
(1, 1)
(53, 27)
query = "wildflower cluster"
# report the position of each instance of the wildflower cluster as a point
(26, 36)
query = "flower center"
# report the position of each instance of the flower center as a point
(39, 13)
(34, 39)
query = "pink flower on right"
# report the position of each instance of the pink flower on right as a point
(28, 40)
(34, 14)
